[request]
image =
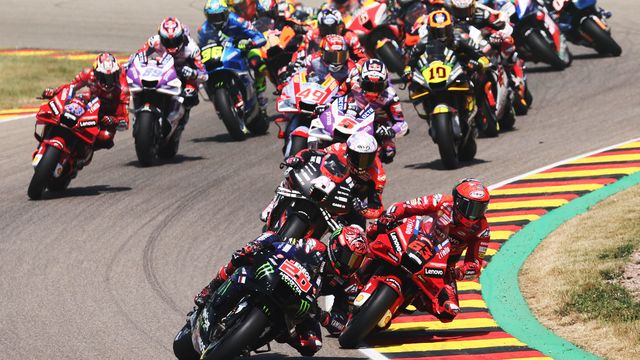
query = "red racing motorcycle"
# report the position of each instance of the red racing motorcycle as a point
(406, 270)
(379, 35)
(66, 128)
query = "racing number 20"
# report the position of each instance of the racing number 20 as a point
(300, 278)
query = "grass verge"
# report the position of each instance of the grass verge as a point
(572, 280)
(22, 78)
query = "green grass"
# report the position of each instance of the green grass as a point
(606, 301)
(621, 252)
(22, 78)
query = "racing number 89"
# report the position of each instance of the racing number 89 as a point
(295, 274)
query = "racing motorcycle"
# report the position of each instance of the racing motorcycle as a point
(407, 270)
(281, 45)
(230, 86)
(159, 116)
(312, 197)
(379, 35)
(443, 95)
(256, 305)
(537, 36)
(339, 122)
(298, 102)
(497, 108)
(66, 129)
(584, 23)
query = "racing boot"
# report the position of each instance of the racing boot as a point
(205, 294)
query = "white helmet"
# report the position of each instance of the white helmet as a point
(362, 149)
(463, 9)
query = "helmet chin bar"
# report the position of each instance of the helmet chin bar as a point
(335, 68)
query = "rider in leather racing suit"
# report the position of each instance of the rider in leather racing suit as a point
(344, 255)
(221, 23)
(106, 81)
(458, 217)
(174, 38)
(373, 87)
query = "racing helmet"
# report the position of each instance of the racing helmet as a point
(470, 201)
(347, 250)
(334, 51)
(373, 79)
(216, 12)
(439, 26)
(106, 71)
(362, 149)
(172, 35)
(330, 22)
(462, 9)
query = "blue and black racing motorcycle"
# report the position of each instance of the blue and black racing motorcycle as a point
(231, 89)
(584, 23)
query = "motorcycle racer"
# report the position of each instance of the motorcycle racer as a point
(220, 22)
(458, 217)
(344, 255)
(372, 86)
(173, 38)
(330, 22)
(106, 80)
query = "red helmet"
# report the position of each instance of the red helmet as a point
(334, 51)
(347, 249)
(106, 71)
(172, 35)
(470, 200)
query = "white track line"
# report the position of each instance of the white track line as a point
(371, 353)
(17, 118)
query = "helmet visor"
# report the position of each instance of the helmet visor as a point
(361, 161)
(470, 209)
(326, 29)
(337, 57)
(217, 18)
(171, 43)
(107, 80)
(373, 86)
(347, 261)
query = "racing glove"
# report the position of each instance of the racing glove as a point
(245, 44)
(496, 39)
(189, 73)
(406, 74)
(292, 162)
(359, 205)
(108, 121)
(468, 271)
(320, 109)
(385, 132)
(48, 93)
(390, 216)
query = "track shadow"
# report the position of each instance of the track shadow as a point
(219, 138)
(438, 165)
(542, 68)
(93, 190)
(178, 159)
(274, 356)
(588, 56)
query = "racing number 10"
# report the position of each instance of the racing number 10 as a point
(299, 277)
(437, 73)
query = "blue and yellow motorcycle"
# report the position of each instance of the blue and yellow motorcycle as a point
(231, 89)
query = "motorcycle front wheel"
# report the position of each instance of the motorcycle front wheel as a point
(44, 172)
(366, 319)
(182, 345)
(242, 334)
(602, 40)
(390, 57)
(444, 137)
(544, 51)
(232, 121)
(145, 138)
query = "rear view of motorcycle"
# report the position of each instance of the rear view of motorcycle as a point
(159, 114)
(584, 23)
(231, 88)
(66, 129)
(443, 95)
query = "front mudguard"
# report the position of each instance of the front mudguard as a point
(372, 285)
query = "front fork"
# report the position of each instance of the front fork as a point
(374, 282)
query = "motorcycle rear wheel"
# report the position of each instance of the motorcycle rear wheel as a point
(243, 333)
(444, 136)
(235, 126)
(294, 227)
(390, 57)
(44, 172)
(543, 51)
(602, 40)
(366, 319)
(145, 138)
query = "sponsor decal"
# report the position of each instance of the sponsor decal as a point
(395, 242)
(410, 224)
(393, 282)
(88, 123)
(304, 307)
(392, 256)
(485, 233)
(478, 194)
(431, 272)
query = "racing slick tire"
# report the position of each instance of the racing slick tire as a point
(468, 150)
(390, 57)
(145, 138)
(44, 172)
(444, 137)
(602, 40)
(232, 121)
(366, 319)
(182, 345)
(543, 50)
(259, 125)
(242, 334)
(294, 227)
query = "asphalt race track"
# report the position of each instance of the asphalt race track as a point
(109, 268)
